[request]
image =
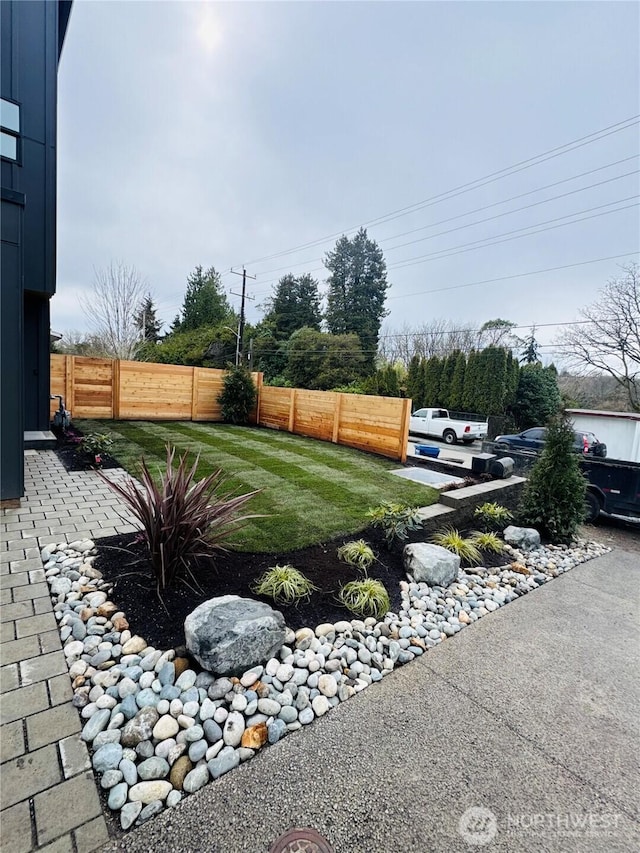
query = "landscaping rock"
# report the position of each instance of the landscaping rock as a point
(524, 538)
(230, 635)
(431, 564)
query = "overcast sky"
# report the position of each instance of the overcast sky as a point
(222, 133)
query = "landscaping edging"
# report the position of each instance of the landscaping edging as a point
(158, 729)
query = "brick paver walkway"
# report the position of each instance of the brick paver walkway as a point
(48, 795)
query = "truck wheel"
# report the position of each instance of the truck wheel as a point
(449, 436)
(591, 507)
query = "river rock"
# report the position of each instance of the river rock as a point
(147, 792)
(140, 727)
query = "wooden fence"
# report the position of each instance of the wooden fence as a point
(377, 424)
(137, 390)
(101, 388)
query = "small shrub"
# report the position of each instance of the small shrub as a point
(367, 597)
(357, 553)
(181, 519)
(488, 542)
(95, 445)
(238, 396)
(553, 500)
(453, 541)
(493, 517)
(284, 584)
(395, 520)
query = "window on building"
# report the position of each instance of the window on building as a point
(9, 129)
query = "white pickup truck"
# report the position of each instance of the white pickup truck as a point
(437, 423)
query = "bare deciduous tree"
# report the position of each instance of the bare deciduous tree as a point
(115, 297)
(438, 337)
(609, 342)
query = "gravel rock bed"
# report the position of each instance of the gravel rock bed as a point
(159, 730)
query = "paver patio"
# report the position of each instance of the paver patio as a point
(48, 795)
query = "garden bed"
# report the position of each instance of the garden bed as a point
(123, 561)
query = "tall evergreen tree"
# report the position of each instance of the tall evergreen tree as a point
(456, 390)
(446, 379)
(531, 348)
(147, 321)
(512, 375)
(492, 381)
(537, 397)
(295, 304)
(471, 376)
(432, 373)
(357, 291)
(205, 303)
(414, 382)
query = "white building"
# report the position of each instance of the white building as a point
(620, 431)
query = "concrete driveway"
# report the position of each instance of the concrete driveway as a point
(519, 734)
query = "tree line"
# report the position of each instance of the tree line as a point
(339, 346)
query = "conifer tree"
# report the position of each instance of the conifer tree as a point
(553, 501)
(432, 373)
(457, 382)
(414, 382)
(357, 291)
(470, 391)
(446, 379)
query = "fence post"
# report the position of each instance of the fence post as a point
(69, 382)
(115, 389)
(404, 429)
(194, 393)
(336, 418)
(258, 380)
(292, 409)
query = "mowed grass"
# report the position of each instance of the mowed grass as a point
(312, 491)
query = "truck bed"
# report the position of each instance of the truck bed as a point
(615, 483)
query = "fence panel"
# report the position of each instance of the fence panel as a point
(150, 391)
(207, 385)
(377, 424)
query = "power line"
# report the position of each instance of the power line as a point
(483, 244)
(515, 275)
(536, 160)
(487, 207)
(496, 239)
(515, 210)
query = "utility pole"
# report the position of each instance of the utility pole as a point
(239, 354)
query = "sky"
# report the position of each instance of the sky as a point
(225, 133)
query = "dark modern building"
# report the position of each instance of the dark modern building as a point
(31, 37)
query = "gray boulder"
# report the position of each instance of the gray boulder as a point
(430, 564)
(229, 635)
(524, 538)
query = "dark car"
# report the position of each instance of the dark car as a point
(533, 440)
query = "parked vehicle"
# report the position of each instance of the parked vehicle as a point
(614, 488)
(437, 423)
(534, 440)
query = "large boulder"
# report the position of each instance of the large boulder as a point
(229, 635)
(430, 564)
(523, 538)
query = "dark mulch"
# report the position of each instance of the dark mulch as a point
(160, 619)
(68, 452)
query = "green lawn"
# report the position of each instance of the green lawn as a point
(312, 491)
